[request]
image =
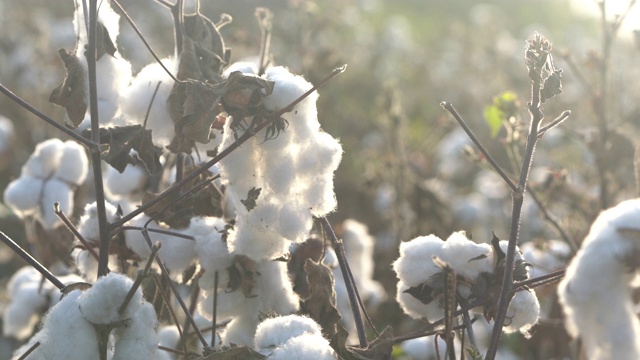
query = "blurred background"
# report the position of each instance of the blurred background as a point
(407, 168)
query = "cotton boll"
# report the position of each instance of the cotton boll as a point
(415, 265)
(23, 195)
(466, 257)
(169, 337)
(87, 265)
(281, 174)
(255, 243)
(138, 338)
(415, 308)
(546, 257)
(136, 241)
(74, 164)
(523, 312)
(55, 191)
(113, 77)
(306, 346)
(100, 304)
(322, 155)
(424, 348)
(287, 89)
(137, 97)
(240, 331)
(295, 223)
(132, 179)
(276, 331)
(21, 315)
(44, 160)
(7, 133)
(212, 252)
(598, 278)
(21, 277)
(176, 253)
(320, 196)
(65, 334)
(89, 221)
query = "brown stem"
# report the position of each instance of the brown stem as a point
(31, 261)
(74, 230)
(29, 351)
(136, 284)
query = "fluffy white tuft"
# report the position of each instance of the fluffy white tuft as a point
(274, 332)
(415, 264)
(523, 312)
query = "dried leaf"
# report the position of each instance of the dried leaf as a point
(552, 86)
(199, 110)
(428, 290)
(321, 303)
(121, 140)
(242, 275)
(380, 348)
(104, 42)
(71, 93)
(252, 196)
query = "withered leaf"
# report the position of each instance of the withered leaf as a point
(252, 196)
(428, 290)
(242, 275)
(234, 353)
(339, 345)
(70, 94)
(495, 244)
(243, 93)
(321, 303)
(199, 110)
(552, 86)
(104, 42)
(120, 141)
(204, 33)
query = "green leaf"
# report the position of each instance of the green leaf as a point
(493, 116)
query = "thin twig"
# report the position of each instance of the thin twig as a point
(557, 121)
(264, 17)
(77, 137)
(33, 262)
(342, 260)
(29, 351)
(74, 230)
(447, 106)
(159, 231)
(215, 310)
(171, 311)
(195, 293)
(173, 351)
(540, 280)
(165, 273)
(205, 167)
(136, 284)
(552, 220)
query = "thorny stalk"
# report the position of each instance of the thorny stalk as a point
(33, 262)
(351, 288)
(241, 140)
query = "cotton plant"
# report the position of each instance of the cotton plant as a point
(75, 327)
(477, 267)
(292, 337)
(278, 184)
(51, 174)
(597, 293)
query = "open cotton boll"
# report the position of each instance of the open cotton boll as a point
(55, 191)
(176, 253)
(287, 89)
(523, 312)
(45, 159)
(306, 346)
(212, 252)
(425, 348)
(245, 67)
(598, 278)
(274, 332)
(134, 238)
(74, 164)
(89, 221)
(23, 195)
(65, 334)
(255, 243)
(466, 257)
(87, 265)
(138, 338)
(240, 331)
(546, 257)
(100, 304)
(415, 308)
(106, 15)
(21, 315)
(169, 337)
(415, 264)
(137, 97)
(327, 155)
(118, 185)
(7, 133)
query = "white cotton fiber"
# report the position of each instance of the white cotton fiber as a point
(7, 133)
(240, 331)
(274, 332)
(100, 305)
(55, 191)
(23, 195)
(65, 334)
(74, 164)
(245, 67)
(138, 338)
(88, 226)
(177, 253)
(212, 252)
(21, 315)
(467, 258)
(415, 264)
(596, 293)
(137, 97)
(288, 88)
(132, 179)
(523, 312)
(134, 238)
(306, 346)
(45, 159)
(255, 243)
